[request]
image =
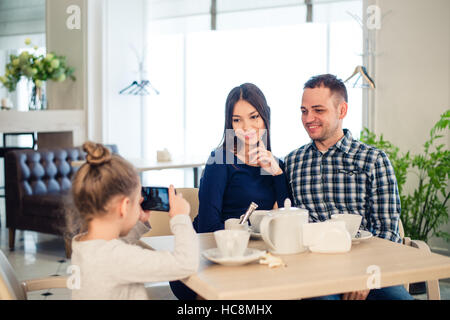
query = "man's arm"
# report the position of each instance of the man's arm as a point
(385, 199)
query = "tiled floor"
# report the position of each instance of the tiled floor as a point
(38, 255)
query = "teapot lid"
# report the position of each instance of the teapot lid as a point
(287, 203)
(288, 207)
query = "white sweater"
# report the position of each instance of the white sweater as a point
(117, 269)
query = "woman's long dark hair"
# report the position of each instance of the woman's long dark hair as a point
(253, 95)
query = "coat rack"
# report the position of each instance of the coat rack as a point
(139, 87)
(367, 55)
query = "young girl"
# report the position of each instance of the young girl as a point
(107, 195)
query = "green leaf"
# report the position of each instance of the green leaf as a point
(426, 208)
(34, 67)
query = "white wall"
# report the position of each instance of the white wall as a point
(124, 32)
(412, 74)
(72, 44)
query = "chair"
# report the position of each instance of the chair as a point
(433, 291)
(12, 289)
(159, 220)
(7, 147)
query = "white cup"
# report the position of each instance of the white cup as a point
(233, 224)
(232, 243)
(256, 218)
(352, 221)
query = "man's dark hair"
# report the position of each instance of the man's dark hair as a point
(328, 81)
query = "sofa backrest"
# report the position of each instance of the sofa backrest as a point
(43, 171)
(46, 171)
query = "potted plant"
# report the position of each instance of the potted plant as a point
(425, 209)
(38, 69)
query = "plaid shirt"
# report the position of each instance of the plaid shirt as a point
(351, 177)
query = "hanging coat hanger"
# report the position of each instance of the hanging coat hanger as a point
(151, 87)
(143, 88)
(361, 71)
(139, 87)
(130, 87)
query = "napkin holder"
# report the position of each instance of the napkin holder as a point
(327, 237)
(6, 104)
(163, 156)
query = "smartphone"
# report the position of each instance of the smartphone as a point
(155, 198)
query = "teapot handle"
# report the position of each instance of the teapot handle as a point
(264, 227)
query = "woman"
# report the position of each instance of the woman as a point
(241, 170)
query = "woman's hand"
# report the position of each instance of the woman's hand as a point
(264, 158)
(356, 295)
(178, 205)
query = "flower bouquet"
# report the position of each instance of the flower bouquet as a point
(38, 69)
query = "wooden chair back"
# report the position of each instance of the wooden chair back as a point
(433, 290)
(10, 287)
(159, 220)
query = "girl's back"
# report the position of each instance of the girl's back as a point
(107, 260)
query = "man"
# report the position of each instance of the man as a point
(338, 174)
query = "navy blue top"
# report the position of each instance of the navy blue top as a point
(228, 187)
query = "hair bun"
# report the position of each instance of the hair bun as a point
(96, 153)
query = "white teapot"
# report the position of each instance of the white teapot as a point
(282, 231)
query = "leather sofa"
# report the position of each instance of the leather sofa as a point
(37, 189)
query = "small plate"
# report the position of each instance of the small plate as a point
(250, 255)
(253, 234)
(362, 235)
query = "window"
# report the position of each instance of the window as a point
(195, 68)
(278, 60)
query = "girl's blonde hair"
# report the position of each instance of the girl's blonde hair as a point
(102, 177)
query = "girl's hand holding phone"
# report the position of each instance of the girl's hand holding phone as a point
(145, 214)
(178, 205)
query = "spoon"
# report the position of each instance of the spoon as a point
(250, 210)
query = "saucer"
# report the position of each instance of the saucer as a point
(255, 235)
(250, 255)
(362, 235)
(286, 254)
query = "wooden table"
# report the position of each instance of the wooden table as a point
(147, 165)
(311, 274)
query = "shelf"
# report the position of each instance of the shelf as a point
(45, 121)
